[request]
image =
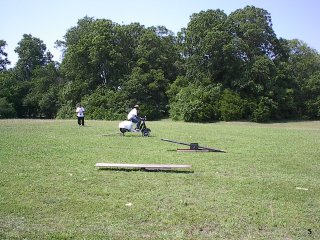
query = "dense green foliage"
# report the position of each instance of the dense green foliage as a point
(220, 67)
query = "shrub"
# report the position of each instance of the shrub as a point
(48, 104)
(264, 110)
(196, 104)
(6, 109)
(66, 111)
(313, 108)
(231, 106)
(105, 104)
(152, 110)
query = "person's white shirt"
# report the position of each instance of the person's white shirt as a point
(132, 113)
(80, 111)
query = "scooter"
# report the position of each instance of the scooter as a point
(127, 126)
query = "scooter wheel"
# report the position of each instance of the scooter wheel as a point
(145, 133)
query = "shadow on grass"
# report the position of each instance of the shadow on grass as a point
(125, 136)
(145, 170)
(137, 135)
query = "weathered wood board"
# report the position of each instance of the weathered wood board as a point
(142, 166)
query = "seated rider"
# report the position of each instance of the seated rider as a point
(133, 116)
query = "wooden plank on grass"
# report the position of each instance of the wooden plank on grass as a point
(142, 166)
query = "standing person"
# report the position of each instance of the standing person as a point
(80, 114)
(133, 116)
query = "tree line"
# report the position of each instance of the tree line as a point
(219, 67)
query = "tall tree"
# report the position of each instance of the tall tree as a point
(304, 65)
(203, 46)
(3, 56)
(31, 53)
(42, 98)
(155, 70)
(252, 33)
(91, 59)
(33, 58)
(253, 44)
(90, 53)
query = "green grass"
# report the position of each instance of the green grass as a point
(50, 188)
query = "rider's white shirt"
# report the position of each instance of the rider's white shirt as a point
(132, 113)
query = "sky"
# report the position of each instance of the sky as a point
(49, 20)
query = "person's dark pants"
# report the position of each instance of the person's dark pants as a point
(81, 121)
(137, 121)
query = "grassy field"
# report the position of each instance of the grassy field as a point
(267, 185)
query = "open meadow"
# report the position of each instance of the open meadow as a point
(266, 185)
